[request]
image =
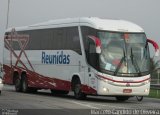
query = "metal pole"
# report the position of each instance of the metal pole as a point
(158, 80)
(8, 14)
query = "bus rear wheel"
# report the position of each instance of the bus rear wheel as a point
(122, 98)
(77, 91)
(18, 85)
(25, 88)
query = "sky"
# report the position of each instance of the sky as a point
(145, 13)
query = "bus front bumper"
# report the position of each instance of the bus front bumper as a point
(140, 89)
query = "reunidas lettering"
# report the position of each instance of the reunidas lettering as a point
(58, 58)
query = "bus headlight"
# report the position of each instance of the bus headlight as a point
(146, 90)
(0, 81)
(105, 89)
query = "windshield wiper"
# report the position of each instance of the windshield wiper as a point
(145, 50)
(119, 65)
(134, 62)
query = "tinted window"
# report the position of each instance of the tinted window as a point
(52, 39)
(85, 32)
(73, 40)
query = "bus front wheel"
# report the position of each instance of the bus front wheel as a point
(77, 91)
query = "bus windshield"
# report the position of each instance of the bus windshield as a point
(124, 54)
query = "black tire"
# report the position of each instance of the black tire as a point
(18, 85)
(122, 98)
(54, 92)
(0, 92)
(77, 91)
(25, 87)
(139, 98)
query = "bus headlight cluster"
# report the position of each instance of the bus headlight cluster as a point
(0, 80)
(105, 89)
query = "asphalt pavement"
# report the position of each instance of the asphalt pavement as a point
(43, 102)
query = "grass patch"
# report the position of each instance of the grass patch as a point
(154, 93)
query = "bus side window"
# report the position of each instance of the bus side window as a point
(85, 32)
(73, 40)
(92, 56)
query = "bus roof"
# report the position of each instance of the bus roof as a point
(94, 22)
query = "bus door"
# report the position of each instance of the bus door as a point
(92, 55)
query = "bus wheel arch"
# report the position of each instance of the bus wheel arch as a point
(15, 77)
(76, 87)
(75, 78)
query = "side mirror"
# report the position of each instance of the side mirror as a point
(97, 42)
(155, 45)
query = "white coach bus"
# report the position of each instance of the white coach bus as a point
(89, 56)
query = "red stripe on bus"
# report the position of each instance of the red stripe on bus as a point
(44, 82)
